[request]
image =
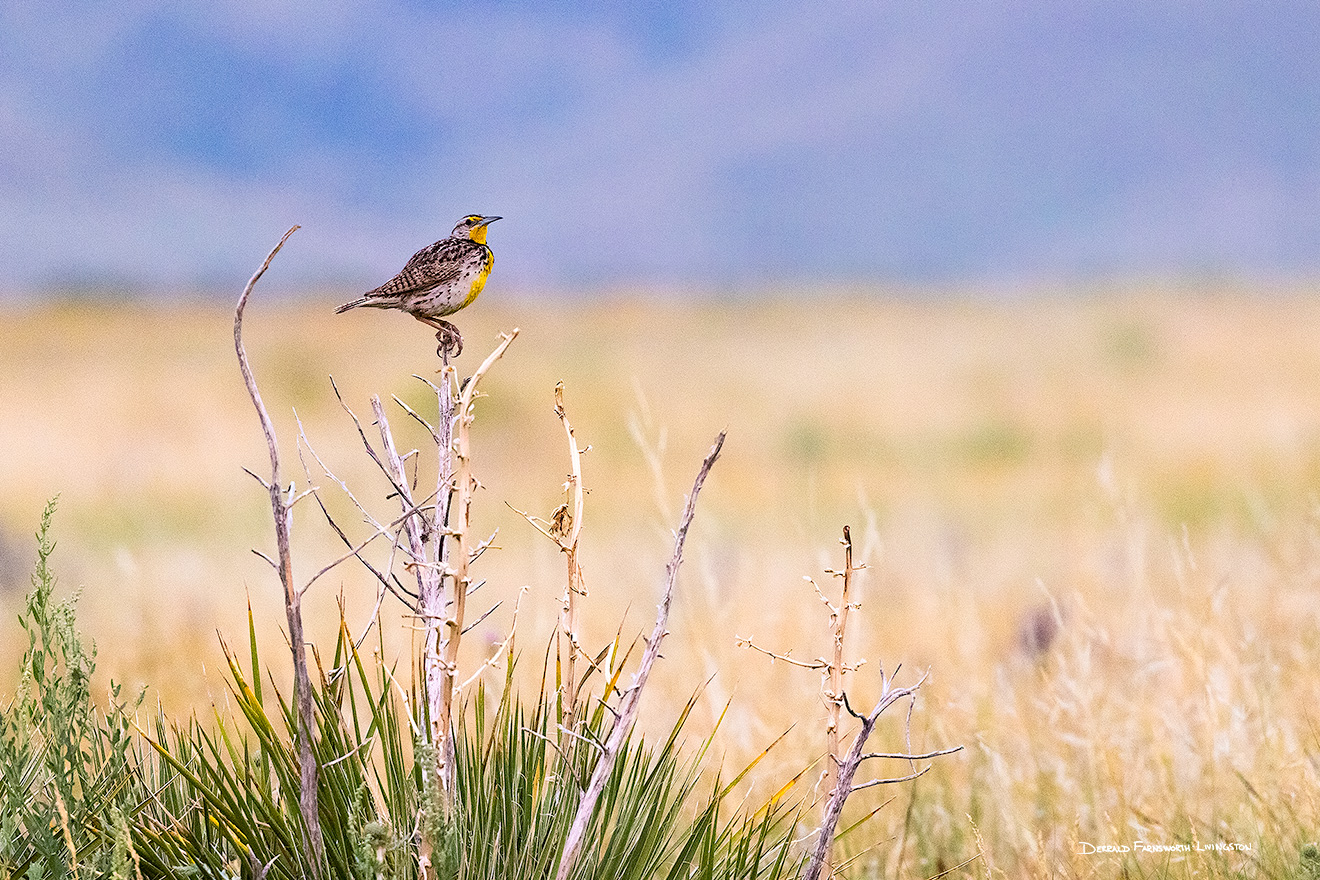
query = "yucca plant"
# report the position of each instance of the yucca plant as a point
(230, 803)
(658, 815)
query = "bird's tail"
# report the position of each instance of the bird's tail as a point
(361, 301)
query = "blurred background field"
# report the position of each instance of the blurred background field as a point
(874, 241)
(1091, 514)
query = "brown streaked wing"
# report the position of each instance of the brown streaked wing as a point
(430, 267)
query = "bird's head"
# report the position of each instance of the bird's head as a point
(473, 226)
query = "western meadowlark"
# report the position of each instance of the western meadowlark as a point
(439, 280)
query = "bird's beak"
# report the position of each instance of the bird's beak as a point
(486, 221)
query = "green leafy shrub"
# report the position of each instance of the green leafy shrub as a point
(68, 770)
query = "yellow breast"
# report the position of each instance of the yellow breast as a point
(480, 280)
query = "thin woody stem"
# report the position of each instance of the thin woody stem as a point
(458, 515)
(568, 543)
(280, 503)
(632, 697)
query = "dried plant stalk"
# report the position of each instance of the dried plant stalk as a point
(820, 855)
(438, 681)
(832, 670)
(841, 768)
(425, 535)
(565, 528)
(632, 697)
(569, 531)
(839, 629)
(420, 529)
(833, 690)
(457, 580)
(281, 503)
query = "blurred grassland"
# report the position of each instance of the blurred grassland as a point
(1091, 515)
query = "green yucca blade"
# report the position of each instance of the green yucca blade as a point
(240, 804)
(862, 821)
(752, 764)
(199, 786)
(252, 647)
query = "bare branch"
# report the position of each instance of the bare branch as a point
(357, 549)
(874, 782)
(786, 657)
(632, 697)
(403, 695)
(851, 711)
(575, 474)
(456, 516)
(820, 594)
(375, 612)
(430, 428)
(482, 547)
(902, 756)
(307, 767)
(273, 564)
(301, 495)
(415, 526)
(487, 613)
(351, 752)
(499, 649)
(566, 535)
(265, 485)
(819, 860)
(832, 686)
(861, 854)
(267, 427)
(362, 434)
(390, 582)
(535, 522)
(305, 443)
(573, 734)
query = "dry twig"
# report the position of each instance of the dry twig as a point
(833, 685)
(819, 861)
(281, 503)
(632, 697)
(564, 528)
(419, 528)
(464, 486)
(840, 769)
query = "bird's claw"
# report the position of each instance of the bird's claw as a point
(451, 341)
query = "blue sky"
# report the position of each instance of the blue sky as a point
(161, 144)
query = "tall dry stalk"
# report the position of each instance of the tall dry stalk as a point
(432, 609)
(832, 670)
(574, 587)
(433, 533)
(841, 767)
(819, 863)
(420, 530)
(456, 575)
(627, 712)
(835, 670)
(281, 503)
(565, 528)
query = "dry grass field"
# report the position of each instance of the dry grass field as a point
(1091, 515)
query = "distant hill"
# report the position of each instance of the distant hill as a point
(932, 141)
